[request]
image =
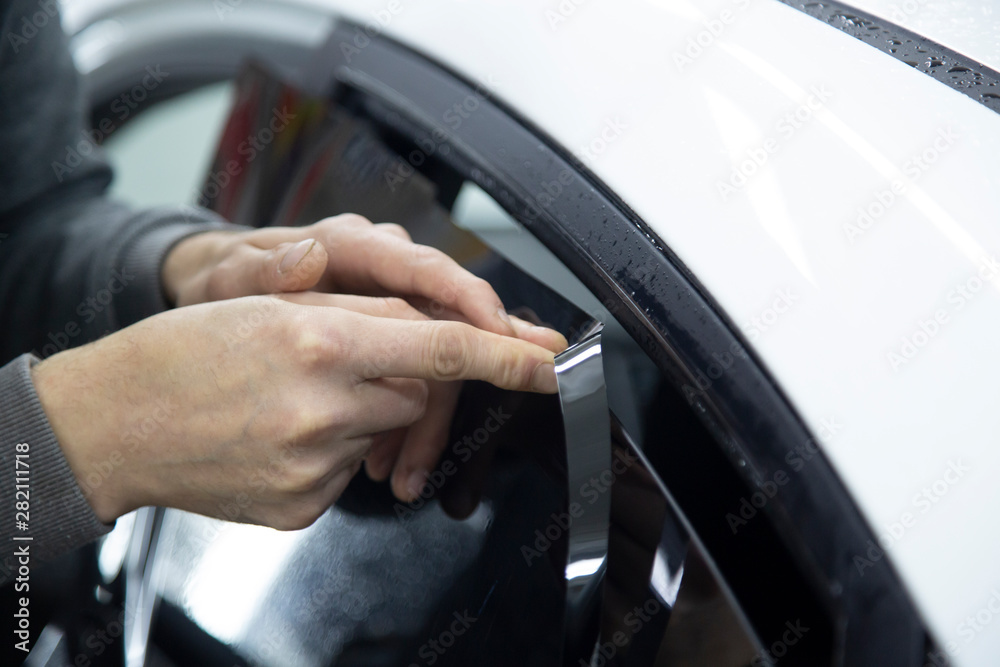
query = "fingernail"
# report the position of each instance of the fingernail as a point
(562, 343)
(543, 380)
(505, 318)
(460, 503)
(295, 254)
(376, 468)
(415, 483)
(521, 328)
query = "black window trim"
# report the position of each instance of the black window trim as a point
(953, 69)
(662, 305)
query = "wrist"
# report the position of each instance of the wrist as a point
(82, 424)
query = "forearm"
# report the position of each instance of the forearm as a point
(56, 517)
(82, 269)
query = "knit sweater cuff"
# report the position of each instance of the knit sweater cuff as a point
(140, 258)
(57, 518)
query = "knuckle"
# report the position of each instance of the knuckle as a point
(393, 305)
(515, 369)
(480, 284)
(299, 477)
(297, 516)
(307, 347)
(303, 421)
(419, 397)
(479, 287)
(396, 229)
(352, 220)
(423, 254)
(447, 348)
(311, 344)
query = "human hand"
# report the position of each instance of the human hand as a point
(410, 453)
(267, 400)
(344, 254)
(348, 254)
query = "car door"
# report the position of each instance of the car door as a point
(721, 549)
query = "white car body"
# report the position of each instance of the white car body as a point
(839, 205)
(914, 440)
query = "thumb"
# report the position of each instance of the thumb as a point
(249, 270)
(293, 267)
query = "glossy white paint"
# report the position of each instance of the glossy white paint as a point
(969, 27)
(609, 80)
(664, 132)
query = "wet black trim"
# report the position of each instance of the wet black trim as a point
(670, 315)
(951, 68)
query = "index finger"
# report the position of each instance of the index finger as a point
(404, 267)
(446, 351)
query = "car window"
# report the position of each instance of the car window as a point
(729, 587)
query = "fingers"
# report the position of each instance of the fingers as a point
(302, 511)
(543, 336)
(550, 339)
(292, 267)
(385, 451)
(335, 486)
(355, 255)
(382, 258)
(386, 404)
(448, 351)
(416, 270)
(376, 306)
(425, 441)
(249, 270)
(396, 230)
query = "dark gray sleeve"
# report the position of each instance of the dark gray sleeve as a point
(57, 518)
(73, 264)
